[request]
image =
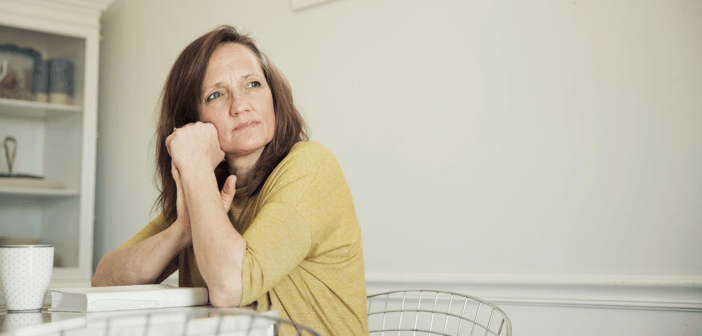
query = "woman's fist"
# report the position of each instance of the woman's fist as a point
(195, 146)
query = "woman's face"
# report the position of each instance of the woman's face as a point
(236, 98)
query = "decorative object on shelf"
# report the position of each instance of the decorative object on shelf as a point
(14, 180)
(40, 81)
(18, 68)
(10, 155)
(61, 88)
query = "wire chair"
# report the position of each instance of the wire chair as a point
(170, 322)
(428, 312)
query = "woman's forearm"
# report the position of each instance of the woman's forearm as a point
(219, 248)
(143, 262)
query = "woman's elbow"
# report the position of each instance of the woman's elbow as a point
(95, 282)
(105, 273)
(99, 278)
(224, 298)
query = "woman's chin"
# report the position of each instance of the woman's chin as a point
(241, 151)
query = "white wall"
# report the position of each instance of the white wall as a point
(546, 155)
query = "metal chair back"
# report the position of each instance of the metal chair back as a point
(429, 312)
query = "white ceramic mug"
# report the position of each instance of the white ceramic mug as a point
(25, 274)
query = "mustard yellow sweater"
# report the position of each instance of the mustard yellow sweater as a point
(304, 255)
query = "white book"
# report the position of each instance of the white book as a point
(95, 299)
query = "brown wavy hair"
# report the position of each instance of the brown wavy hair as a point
(179, 106)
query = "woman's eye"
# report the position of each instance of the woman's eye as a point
(214, 95)
(254, 84)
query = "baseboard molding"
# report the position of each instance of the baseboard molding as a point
(676, 293)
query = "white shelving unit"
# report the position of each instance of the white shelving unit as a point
(53, 140)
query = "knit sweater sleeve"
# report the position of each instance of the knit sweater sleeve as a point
(282, 233)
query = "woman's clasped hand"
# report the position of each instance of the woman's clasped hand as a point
(195, 147)
(196, 143)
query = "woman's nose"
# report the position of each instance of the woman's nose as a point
(239, 104)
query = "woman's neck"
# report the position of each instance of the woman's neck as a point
(242, 165)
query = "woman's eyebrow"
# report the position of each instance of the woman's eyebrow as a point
(246, 76)
(221, 84)
(206, 88)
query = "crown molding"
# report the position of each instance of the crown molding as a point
(35, 14)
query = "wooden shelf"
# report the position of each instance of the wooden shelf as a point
(6, 191)
(29, 109)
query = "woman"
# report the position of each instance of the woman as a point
(250, 209)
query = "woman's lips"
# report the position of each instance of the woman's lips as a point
(245, 124)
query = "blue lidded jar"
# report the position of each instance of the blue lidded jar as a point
(61, 85)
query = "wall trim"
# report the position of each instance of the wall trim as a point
(672, 293)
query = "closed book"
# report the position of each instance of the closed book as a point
(94, 299)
